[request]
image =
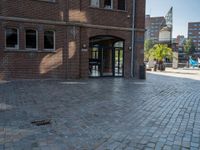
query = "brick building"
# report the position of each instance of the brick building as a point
(70, 39)
(194, 34)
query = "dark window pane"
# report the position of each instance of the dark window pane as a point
(107, 4)
(121, 4)
(11, 38)
(31, 39)
(48, 40)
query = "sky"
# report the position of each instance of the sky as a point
(184, 11)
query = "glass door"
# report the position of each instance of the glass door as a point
(107, 61)
(94, 62)
(118, 60)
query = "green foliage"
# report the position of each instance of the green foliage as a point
(160, 51)
(148, 44)
(189, 47)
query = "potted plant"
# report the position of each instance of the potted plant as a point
(159, 52)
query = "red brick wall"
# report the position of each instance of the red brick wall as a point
(69, 61)
(73, 53)
(34, 9)
(33, 64)
(139, 36)
(100, 16)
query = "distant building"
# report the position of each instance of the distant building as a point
(159, 29)
(180, 40)
(153, 26)
(165, 35)
(194, 34)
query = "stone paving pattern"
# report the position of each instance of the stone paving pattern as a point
(101, 114)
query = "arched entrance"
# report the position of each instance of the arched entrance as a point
(106, 56)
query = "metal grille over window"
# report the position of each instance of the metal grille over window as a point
(12, 38)
(49, 40)
(31, 39)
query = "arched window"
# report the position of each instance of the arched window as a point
(119, 44)
(12, 38)
(122, 4)
(31, 39)
(94, 3)
(108, 4)
(49, 40)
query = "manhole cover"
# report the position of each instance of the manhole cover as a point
(4, 107)
(41, 122)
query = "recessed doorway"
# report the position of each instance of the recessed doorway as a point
(106, 57)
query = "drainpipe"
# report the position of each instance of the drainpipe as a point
(132, 41)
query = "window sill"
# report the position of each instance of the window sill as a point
(109, 9)
(29, 51)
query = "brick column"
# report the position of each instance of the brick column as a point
(73, 52)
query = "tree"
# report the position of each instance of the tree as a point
(148, 44)
(189, 47)
(160, 52)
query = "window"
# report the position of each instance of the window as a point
(119, 44)
(49, 40)
(108, 4)
(94, 3)
(31, 39)
(121, 4)
(12, 36)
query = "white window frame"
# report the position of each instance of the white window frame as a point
(54, 41)
(111, 5)
(12, 48)
(95, 5)
(35, 49)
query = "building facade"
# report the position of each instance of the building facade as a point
(178, 46)
(194, 34)
(71, 39)
(153, 26)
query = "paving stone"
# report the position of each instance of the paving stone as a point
(194, 144)
(167, 147)
(151, 145)
(101, 113)
(194, 148)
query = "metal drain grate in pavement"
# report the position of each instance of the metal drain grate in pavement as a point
(41, 122)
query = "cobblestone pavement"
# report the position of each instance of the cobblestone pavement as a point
(162, 112)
